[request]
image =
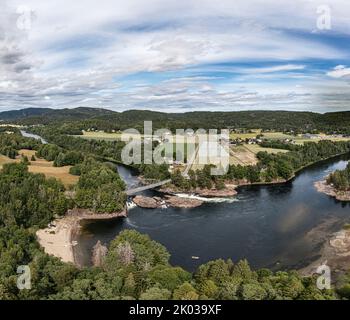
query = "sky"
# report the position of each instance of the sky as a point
(175, 56)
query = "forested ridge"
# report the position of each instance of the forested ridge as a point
(79, 119)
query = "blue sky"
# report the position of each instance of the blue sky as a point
(176, 56)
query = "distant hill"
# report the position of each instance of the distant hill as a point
(24, 113)
(102, 119)
(47, 115)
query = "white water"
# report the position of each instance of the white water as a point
(204, 199)
(131, 205)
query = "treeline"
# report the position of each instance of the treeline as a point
(340, 179)
(58, 155)
(271, 167)
(100, 148)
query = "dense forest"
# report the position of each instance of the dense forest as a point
(75, 120)
(135, 267)
(340, 179)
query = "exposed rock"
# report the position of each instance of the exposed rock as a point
(99, 251)
(86, 214)
(227, 192)
(328, 189)
(146, 202)
(178, 202)
(173, 201)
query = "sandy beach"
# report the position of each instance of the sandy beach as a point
(61, 235)
(57, 239)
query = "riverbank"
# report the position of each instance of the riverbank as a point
(61, 236)
(322, 186)
(231, 186)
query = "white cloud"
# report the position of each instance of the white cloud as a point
(339, 72)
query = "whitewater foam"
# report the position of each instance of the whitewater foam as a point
(205, 199)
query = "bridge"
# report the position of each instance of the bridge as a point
(133, 191)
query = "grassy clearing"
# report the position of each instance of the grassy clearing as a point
(300, 140)
(4, 160)
(100, 136)
(43, 166)
(243, 156)
(47, 168)
(277, 136)
(249, 135)
(255, 148)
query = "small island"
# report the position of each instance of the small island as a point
(336, 185)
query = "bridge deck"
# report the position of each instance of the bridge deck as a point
(131, 192)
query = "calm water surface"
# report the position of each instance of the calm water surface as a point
(271, 226)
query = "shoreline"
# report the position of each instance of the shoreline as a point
(335, 253)
(243, 183)
(323, 187)
(61, 236)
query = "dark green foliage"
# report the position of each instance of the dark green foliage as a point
(340, 179)
(29, 199)
(99, 187)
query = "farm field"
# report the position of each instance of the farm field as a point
(45, 167)
(255, 148)
(97, 135)
(243, 155)
(249, 135)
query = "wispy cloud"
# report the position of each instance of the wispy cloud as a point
(339, 72)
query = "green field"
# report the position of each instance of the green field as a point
(98, 135)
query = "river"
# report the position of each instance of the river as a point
(271, 226)
(32, 135)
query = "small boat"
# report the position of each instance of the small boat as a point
(195, 258)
